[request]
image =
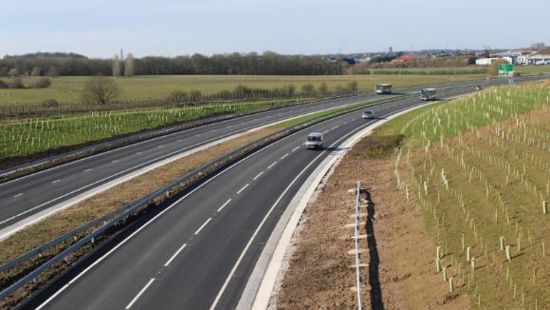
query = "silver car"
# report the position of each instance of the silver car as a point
(368, 115)
(314, 141)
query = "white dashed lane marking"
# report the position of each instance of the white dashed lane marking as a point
(243, 188)
(175, 254)
(225, 204)
(140, 293)
(257, 176)
(202, 226)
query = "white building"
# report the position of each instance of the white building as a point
(538, 60)
(489, 61)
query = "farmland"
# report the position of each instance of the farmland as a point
(67, 90)
(479, 167)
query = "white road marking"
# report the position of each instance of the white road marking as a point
(271, 166)
(88, 170)
(334, 127)
(202, 226)
(243, 188)
(119, 245)
(160, 146)
(139, 153)
(140, 293)
(284, 156)
(257, 176)
(175, 254)
(18, 195)
(115, 161)
(295, 149)
(52, 297)
(56, 181)
(225, 204)
(243, 253)
(325, 131)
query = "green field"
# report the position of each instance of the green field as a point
(532, 69)
(470, 70)
(67, 90)
(24, 137)
(480, 168)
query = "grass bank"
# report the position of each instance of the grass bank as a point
(20, 138)
(480, 169)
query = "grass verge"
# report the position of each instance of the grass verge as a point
(480, 169)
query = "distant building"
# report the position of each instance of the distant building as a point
(538, 59)
(405, 58)
(489, 61)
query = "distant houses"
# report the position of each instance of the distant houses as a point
(516, 58)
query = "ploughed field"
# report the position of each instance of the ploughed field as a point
(480, 168)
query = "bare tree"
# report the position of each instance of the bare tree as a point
(53, 71)
(129, 66)
(14, 72)
(323, 89)
(116, 66)
(36, 71)
(100, 90)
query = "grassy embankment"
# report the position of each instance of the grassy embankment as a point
(67, 90)
(24, 137)
(480, 168)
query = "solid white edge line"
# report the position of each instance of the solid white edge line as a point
(153, 219)
(243, 188)
(175, 254)
(52, 297)
(140, 293)
(262, 293)
(225, 204)
(202, 226)
(257, 176)
(243, 253)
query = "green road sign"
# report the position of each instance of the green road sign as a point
(505, 69)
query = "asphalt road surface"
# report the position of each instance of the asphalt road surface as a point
(26, 196)
(198, 251)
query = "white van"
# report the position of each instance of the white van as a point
(314, 141)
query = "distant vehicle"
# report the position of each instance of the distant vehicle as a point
(478, 88)
(428, 94)
(384, 88)
(314, 141)
(368, 114)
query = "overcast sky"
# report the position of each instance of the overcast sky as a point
(99, 28)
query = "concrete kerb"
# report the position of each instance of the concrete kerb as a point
(267, 275)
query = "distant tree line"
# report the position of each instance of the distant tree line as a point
(268, 63)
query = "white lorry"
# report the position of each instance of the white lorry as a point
(383, 88)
